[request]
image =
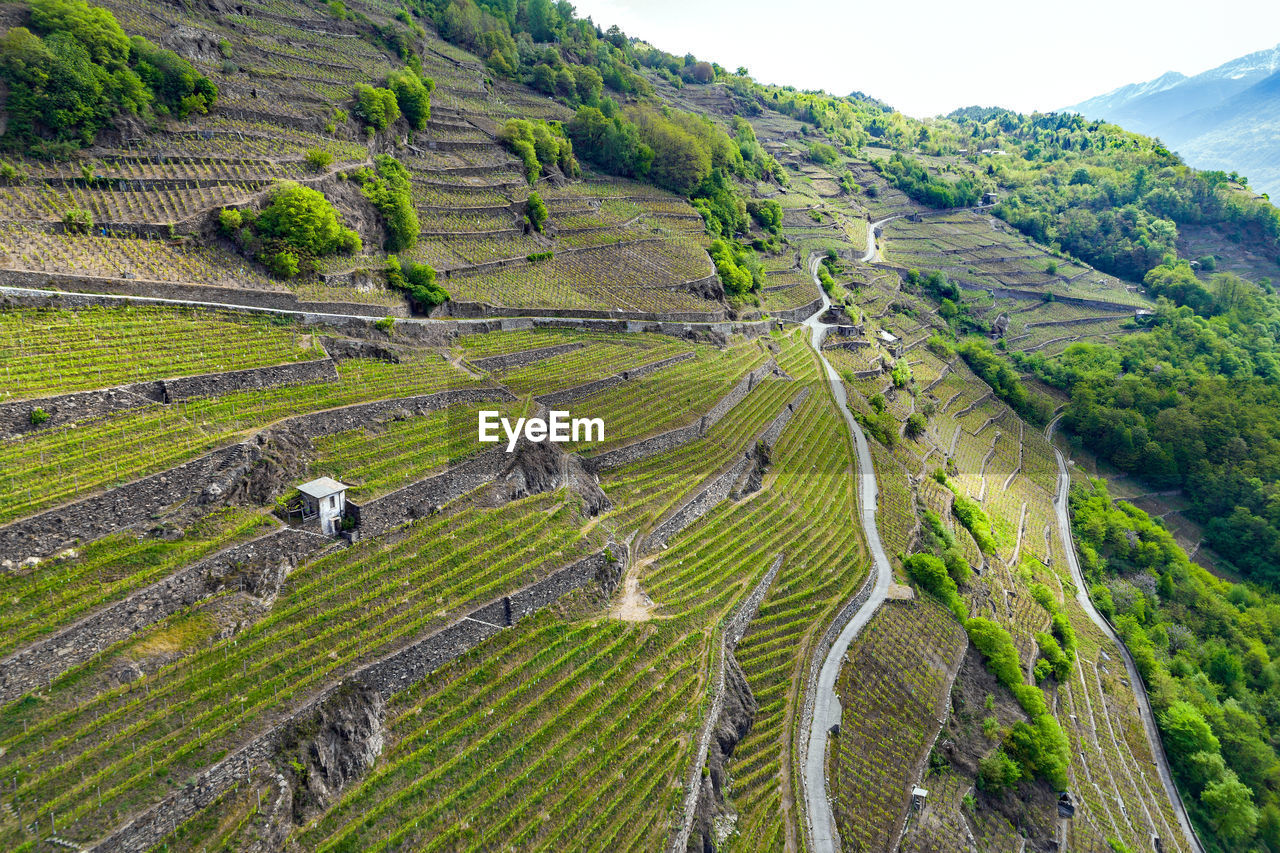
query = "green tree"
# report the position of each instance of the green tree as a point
(413, 96)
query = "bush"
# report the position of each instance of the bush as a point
(230, 221)
(388, 188)
(997, 771)
(539, 145)
(317, 159)
(303, 220)
(1042, 750)
(77, 221)
(377, 108)
(386, 324)
(931, 574)
(283, 264)
(39, 416)
(916, 424)
(539, 256)
(418, 282)
(536, 210)
(977, 522)
(413, 96)
(997, 647)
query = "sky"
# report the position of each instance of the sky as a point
(928, 57)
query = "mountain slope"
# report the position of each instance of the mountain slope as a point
(1225, 118)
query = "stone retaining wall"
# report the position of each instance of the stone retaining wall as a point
(679, 436)
(387, 676)
(798, 314)
(519, 359)
(556, 398)
(39, 664)
(141, 499)
(84, 405)
(720, 486)
(423, 497)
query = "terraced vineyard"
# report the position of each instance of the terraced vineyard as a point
(263, 587)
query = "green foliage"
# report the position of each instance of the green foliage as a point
(976, 521)
(995, 371)
(739, 269)
(318, 159)
(540, 145)
(417, 281)
(1054, 655)
(997, 647)
(916, 424)
(413, 96)
(77, 220)
(932, 575)
(1203, 647)
(38, 416)
(283, 264)
(823, 154)
(230, 220)
(767, 212)
(916, 181)
(387, 188)
(536, 210)
(1042, 750)
(377, 108)
(997, 772)
(297, 226)
(75, 70)
(535, 257)
(386, 324)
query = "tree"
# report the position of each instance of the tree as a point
(916, 424)
(536, 210)
(378, 108)
(1186, 732)
(413, 96)
(1229, 809)
(997, 772)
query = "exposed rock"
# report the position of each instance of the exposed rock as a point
(192, 43)
(714, 819)
(753, 479)
(322, 752)
(707, 288)
(339, 348)
(279, 458)
(538, 467)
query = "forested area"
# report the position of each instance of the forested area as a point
(1192, 403)
(1206, 649)
(1114, 198)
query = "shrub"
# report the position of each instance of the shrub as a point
(303, 220)
(77, 221)
(997, 647)
(389, 190)
(377, 108)
(916, 424)
(539, 256)
(1054, 655)
(39, 416)
(317, 159)
(417, 281)
(413, 96)
(997, 771)
(931, 574)
(536, 210)
(230, 221)
(977, 522)
(386, 324)
(539, 145)
(283, 264)
(1042, 749)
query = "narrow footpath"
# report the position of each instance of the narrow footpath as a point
(823, 835)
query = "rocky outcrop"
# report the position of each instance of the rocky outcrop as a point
(282, 457)
(541, 467)
(322, 751)
(346, 348)
(713, 816)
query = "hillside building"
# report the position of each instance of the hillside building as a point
(324, 499)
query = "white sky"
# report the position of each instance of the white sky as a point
(928, 57)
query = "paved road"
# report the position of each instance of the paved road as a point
(826, 707)
(1139, 691)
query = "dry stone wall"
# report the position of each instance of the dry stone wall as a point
(200, 479)
(579, 391)
(63, 409)
(387, 677)
(720, 486)
(672, 439)
(37, 665)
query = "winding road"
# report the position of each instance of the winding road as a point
(824, 837)
(1139, 691)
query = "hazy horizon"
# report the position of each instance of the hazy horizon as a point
(947, 55)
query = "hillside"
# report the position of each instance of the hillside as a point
(1225, 118)
(884, 404)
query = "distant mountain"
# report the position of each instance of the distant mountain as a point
(1226, 118)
